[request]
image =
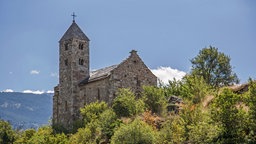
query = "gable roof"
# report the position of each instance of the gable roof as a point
(105, 72)
(74, 32)
(99, 74)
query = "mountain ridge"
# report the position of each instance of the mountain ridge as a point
(26, 110)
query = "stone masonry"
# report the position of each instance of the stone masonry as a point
(78, 86)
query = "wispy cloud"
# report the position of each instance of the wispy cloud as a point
(7, 90)
(167, 73)
(50, 92)
(38, 91)
(34, 72)
(33, 92)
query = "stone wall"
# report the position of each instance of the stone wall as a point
(55, 116)
(131, 73)
(94, 91)
(73, 67)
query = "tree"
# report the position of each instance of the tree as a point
(45, 135)
(251, 103)
(137, 132)
(227, 113)
(194, 88)
(92, 111)
(108, 123)
(174, 87)
(7, 135)
(125, 104)
(154, 99)
(172, 131)
(25, 136)
(92, 130)
(214, 67)
(99, 124)
(82, 136)
(202, 129)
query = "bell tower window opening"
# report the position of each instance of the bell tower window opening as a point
(66, 46)
(81, 46)
(66, 62)
(81, 62)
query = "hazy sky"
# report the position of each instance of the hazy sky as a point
(165, 33)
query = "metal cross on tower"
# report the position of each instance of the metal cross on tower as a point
(73, 15)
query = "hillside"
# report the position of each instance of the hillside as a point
(25, 110)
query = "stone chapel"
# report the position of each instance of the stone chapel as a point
(79, 86)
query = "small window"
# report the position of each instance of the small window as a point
(81, 62)
(66, 62)
(66, 46)
(81, 46)
(98, 94)
(135, 61)
(66, 106)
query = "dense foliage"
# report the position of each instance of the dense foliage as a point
(227, 117)
(206, 114)
(125, 104)
(214, 67)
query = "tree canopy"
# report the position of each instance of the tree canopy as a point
(214, 67)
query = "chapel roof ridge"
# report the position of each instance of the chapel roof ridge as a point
(98, 74)
(74, 31)
(104, 72)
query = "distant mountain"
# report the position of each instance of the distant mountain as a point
(25, 110)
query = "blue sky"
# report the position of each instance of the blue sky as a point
(166, 34)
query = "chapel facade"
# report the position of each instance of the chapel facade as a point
(78, 86)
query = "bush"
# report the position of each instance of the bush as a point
(92, 111)
(7, 135)
(137, 132)
(154, 99)
(125, 104)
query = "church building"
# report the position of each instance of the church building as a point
(79, 86)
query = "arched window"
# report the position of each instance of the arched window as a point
(81, 62)
(81, 46)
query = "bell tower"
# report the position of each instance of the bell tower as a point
(73, 67)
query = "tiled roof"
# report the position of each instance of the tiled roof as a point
(104, 72)
(99, 74)
(74, 32)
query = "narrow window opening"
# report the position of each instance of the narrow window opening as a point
(81, 62)
(66, 106)
(66, 46)
(98, 94)
(66, 62)
(138, 81)
(81, 46)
